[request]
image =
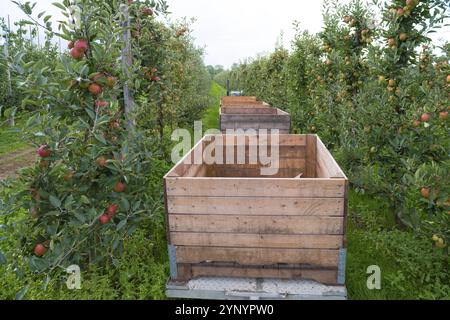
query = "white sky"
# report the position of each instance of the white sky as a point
(229, 30)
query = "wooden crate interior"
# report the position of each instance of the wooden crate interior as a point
(300, 156)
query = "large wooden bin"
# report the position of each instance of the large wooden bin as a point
(248, 113)
(227, 220)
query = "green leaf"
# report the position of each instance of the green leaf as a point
(100, 138)
(121, 224)
(59, 5)
(22, 292)
(85, 200)
(125, 204)
(55, 201)
(80, 217)
(90, 113)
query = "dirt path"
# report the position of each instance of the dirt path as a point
(10, 163)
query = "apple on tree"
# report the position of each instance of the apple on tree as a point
(40, 250)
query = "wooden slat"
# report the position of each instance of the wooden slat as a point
(283, 139)
(282, 163)
(256, 206)
(248, 187)
(317, 225)
(284, 152)
(245, 125)
(195, 170)
(326, 163)
(243, 111)
(226, 172)
(311, 151)
(255, 256)
(325, 276)
(256, 240)
(251, 118)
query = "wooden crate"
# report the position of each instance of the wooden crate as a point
(228, 220)
(257, 118)
(236, 100)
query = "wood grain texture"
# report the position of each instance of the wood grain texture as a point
(226, 172)
(326, 166)
(313, 225)
(309, 257)
(239, 240)
(241, 111)
(325, 276)
(256, 206)
(248, 187)
(311, 156)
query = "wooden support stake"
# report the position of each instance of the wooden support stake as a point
(127, 62)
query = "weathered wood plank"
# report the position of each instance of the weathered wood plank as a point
(282, 163)
(226, 172)
(313, 225)
(326, 162)
(325, 276)
(251, 118)
(311, 156)
(242, 111)
(248, 187)
(283, 140)
(245, 125)
(239, 240)
(256, 206)
(322, 258)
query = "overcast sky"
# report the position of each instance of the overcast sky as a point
(229, 30)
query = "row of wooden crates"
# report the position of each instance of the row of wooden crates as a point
(249, 113)
(229, 220)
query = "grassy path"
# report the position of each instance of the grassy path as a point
(211, 117)
(14, 152)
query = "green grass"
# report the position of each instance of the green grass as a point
(211, 117)
(411, 268)
(10, 138)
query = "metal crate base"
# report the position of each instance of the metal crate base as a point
(254, 289)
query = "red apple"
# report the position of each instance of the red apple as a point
(97, 76)
(111, 82)
(147, 11)
(443, 115)
(44, 151)
(81, 45)
(425, 117)
(425, 192)
(391, 42)
(119, 187)
(154, 69)
(68, 176)
(403, 37)
(76, 54)
(95, 89)
(104, 218)
(101, 103)
(112, 210)
(40, 250)
(101, 161)
(417, 123)
(156, 79)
